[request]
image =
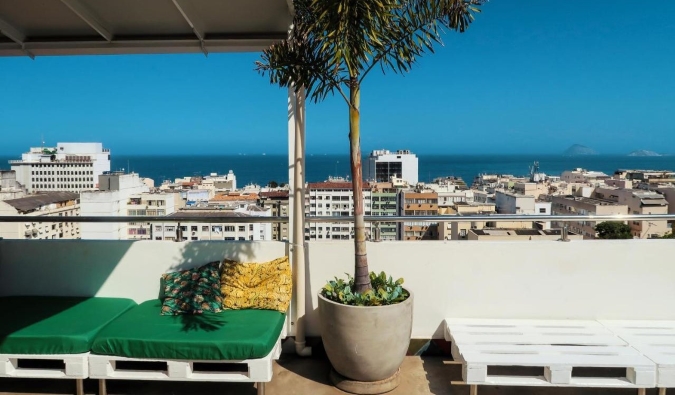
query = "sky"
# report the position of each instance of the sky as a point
(529, 76)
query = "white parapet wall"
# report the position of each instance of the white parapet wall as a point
(112, 268)
(604, 279)
(615, 279)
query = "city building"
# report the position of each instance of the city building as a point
(72, 167)
(234, 200)
(580, 175)
(9, 187)
(221, 228)
(418, 204)
(112, 199)
(518, 234)
(52, 204)
(639, 202)
(150, 204)
(646, 176)
(333, 198)
(459, 230)
(575, 205)
(277, 202)
(385, 203)
(383, 164)
(220, 183)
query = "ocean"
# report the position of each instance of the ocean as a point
(261, 169)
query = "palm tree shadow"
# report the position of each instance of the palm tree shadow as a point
(207, 322)
(197, 253)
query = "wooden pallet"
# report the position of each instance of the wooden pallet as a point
(250, 370)
(74, 366)
(556, 346)
(655, 340)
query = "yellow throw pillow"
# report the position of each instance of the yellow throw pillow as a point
(265, 286)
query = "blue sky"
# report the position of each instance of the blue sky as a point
(528, 76)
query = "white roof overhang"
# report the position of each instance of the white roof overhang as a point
(97, 27)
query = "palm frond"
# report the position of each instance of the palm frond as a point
(335, 43)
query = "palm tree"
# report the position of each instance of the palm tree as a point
(335, 44)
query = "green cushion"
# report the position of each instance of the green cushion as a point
(54, 325)
(143, 332)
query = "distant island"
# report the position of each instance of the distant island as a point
(644, 152)
(579, 150)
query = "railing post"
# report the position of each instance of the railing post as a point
(564, 233)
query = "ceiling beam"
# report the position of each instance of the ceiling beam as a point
(15, 35)
(120, 46)
(89, 17)
(196, 26)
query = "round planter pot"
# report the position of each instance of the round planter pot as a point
(366, 344)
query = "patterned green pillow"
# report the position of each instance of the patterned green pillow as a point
(192, 291)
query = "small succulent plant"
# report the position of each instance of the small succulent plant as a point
(385, 291)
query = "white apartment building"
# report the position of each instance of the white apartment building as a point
(116, 190)
(221, 229)
(332, 198)
(72, 167)
(52, 204)
(383, 164)
(514, 203)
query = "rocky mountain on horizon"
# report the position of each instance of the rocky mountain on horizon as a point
(644, 152)
(579, 150)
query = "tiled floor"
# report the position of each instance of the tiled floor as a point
(303, 376)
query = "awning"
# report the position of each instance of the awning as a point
(91, 27)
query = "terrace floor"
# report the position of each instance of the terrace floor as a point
(303, 376)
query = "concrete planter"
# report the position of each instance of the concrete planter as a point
(366, 344)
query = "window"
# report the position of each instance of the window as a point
(229, 229)
(250, 227)
(242, 228)
(193, 228)
(542, 210)
(205, 228)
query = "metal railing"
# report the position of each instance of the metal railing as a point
(377, 220)
(368, 218)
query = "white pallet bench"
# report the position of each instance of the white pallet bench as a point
(556, 346)
(73, 366)
(258, 371)
(655, 340)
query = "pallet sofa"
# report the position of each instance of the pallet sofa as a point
(101, 319)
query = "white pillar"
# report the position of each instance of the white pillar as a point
(296, 155)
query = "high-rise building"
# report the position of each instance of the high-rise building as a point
(72, 167)
(385, 203)
(333, 198)
(277, 201)
(111, 200)
(383, 164)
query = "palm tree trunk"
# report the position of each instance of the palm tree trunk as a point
(361, 276)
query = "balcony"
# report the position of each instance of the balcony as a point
(449, 278)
